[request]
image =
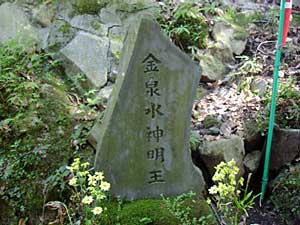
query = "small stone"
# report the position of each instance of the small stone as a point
(259, 85)
(214, 152)
(252, 160)
(104, 93)
(212, 68)
(44, 14)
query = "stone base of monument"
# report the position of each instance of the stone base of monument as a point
(143, 142)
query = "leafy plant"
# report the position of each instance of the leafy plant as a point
(250, 66)
(30, 96)
(287, 107)
(185, 25)
(230, 200)
(286, 193)
(89, 190)
(182, 212)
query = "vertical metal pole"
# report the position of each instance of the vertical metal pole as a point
(273, 102)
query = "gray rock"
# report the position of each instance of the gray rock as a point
(227, 34)
(285, 147)
(43, 37)
(252, 160)
(222, 52)
(15, 23)
(104, 93)
(212, 68)
(110, 17)
(90, 24)
(43, 14)
(61, 33)
(214, 152)
(87, 54)
(259, 85)
(143, 147)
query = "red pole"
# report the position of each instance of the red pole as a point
(287, 16)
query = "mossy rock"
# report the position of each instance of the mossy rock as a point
(39, 122)
(89, 6)
(211, 121)
(152, 211)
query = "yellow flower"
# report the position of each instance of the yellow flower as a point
(87, 200)
(85, 165)
(213, 190)
(105, 186)
(208, 201)
(83, 173)
(97, 210)
(92, 180)
(70, 168)
(99, 176)
(73, 181)
(100, 196)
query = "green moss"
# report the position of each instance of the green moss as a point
(89, 6)
(96, 25)
(35, 127)
(127, 7)
(240, 21)
(210, 121)
(296, 20)
(65, 28)
(151, 211)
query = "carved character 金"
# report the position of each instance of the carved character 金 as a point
(150, 63)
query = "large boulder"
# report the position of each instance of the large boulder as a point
(214, 152)
(87, 54)
(15, 23)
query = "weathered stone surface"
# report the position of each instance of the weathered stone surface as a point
(104, 93)
(227, 34)
(16, 25)
(144, 144)
(212, 68)
(259, 85)
(222, 52)
(60, 34)
(214, 152)
(252, 160)
(89, 23)
(285, 147)
(87, 54)
(44, 14)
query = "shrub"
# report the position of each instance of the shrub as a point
(286, 193)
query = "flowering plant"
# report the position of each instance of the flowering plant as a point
(227, 192)
(89, 189)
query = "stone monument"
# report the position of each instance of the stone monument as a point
(143, 145)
